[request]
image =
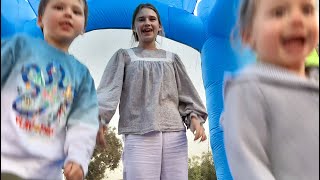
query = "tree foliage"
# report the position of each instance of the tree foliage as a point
(105, 158)
(201, 168)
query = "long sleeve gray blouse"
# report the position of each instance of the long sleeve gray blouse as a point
(154, 91)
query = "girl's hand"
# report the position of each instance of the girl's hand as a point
(73, 171)
(101, 141)
(199, 129)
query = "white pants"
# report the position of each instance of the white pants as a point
(156, 156)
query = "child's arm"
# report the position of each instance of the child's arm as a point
(190, 103)
(7, 59)
(110, 87)
(83, 124)
(109, 92)
(246, 133)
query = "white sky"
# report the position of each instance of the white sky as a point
(95, 48)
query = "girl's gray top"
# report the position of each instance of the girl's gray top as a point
(271, 124)
(154, 91)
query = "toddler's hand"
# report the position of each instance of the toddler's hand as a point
(73, 171)
(199, 129)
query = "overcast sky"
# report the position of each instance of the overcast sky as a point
(95, 48)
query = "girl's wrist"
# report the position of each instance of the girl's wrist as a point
(102, 121)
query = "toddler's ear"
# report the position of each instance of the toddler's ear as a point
(84, 31)
(39, 22)
(247, 39)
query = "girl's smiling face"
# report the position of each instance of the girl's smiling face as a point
(147, 26)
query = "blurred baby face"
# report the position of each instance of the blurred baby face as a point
(284, 32)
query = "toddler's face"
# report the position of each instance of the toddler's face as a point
(62, 21)
(284, 32)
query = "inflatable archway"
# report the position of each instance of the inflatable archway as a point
(208, 33)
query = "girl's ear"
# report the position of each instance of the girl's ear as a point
(160, 29)
(134, 29)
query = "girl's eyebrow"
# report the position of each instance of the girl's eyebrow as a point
(151, 16)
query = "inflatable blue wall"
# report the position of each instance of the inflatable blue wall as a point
(208, 33)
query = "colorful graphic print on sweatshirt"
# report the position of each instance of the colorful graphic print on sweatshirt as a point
(43, 100)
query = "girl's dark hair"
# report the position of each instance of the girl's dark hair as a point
(137, 10)
(43, 4)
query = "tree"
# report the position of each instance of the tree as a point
(201, 168)
(105, 158)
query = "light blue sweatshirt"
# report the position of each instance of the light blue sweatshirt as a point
(49, 109)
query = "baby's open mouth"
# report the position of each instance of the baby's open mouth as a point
(298, 40)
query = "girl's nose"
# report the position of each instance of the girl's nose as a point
(147, 22)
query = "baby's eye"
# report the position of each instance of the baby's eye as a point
(279, 11)
(308, 9)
